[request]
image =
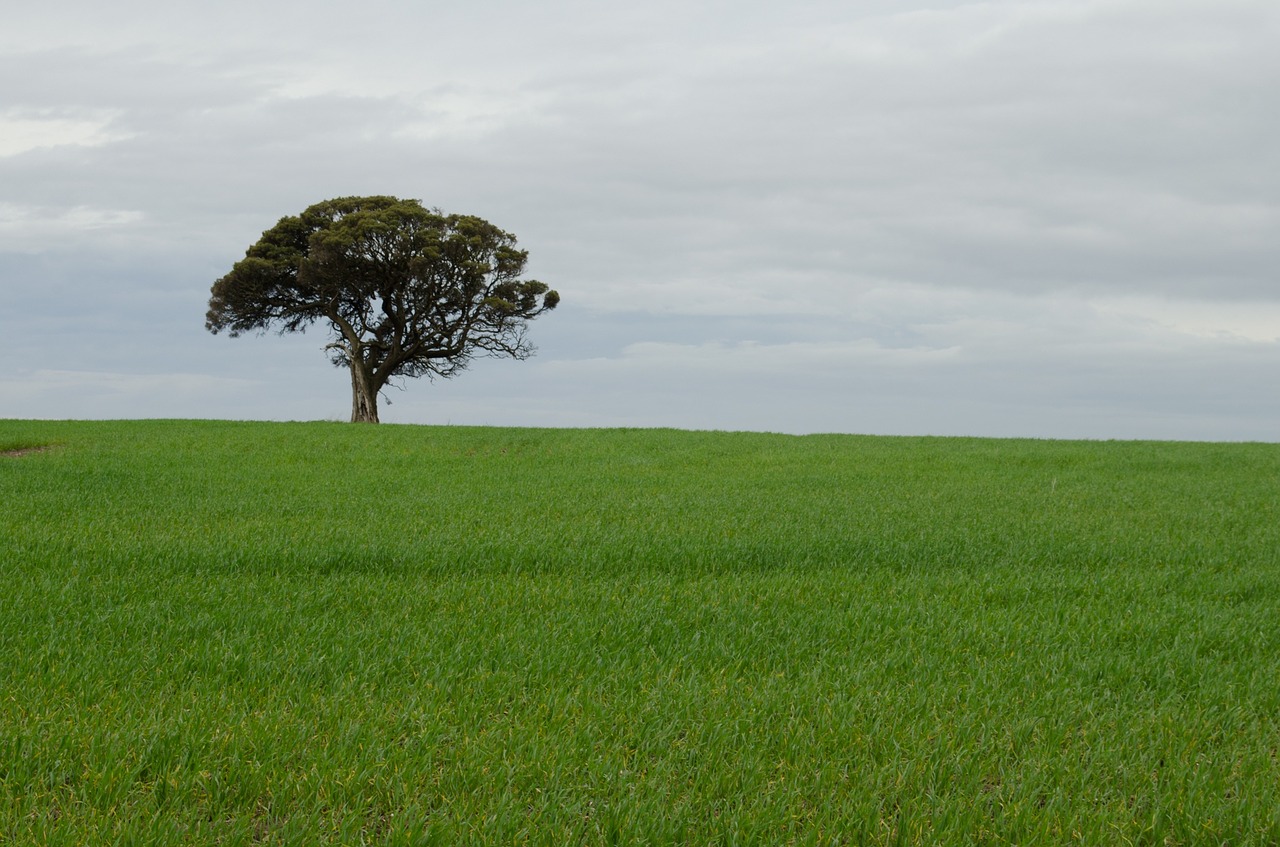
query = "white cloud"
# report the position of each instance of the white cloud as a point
(54, 393)
(720, 359)
(24, 130)
(1257, 321)
(26, 229)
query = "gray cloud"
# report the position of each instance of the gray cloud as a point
(913, 201)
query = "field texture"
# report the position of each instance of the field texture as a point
(232, 633)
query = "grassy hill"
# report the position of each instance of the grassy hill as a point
(245, 633)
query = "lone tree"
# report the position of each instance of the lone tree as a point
(407, 291)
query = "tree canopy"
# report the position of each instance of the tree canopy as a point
(407, 291)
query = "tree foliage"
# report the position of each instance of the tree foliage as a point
(407, 291)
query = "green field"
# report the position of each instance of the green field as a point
(238, 633)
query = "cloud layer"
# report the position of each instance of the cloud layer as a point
(1039, 218)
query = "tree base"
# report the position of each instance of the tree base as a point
(364, 396)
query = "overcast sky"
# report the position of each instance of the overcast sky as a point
(1048, 218)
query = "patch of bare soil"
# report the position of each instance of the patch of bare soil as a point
(24, 451)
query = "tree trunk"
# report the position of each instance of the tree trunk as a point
(364, 395)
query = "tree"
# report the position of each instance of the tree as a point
(407, 291)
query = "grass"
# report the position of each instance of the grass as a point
(244, 633)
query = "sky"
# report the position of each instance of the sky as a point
(1015, 218)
